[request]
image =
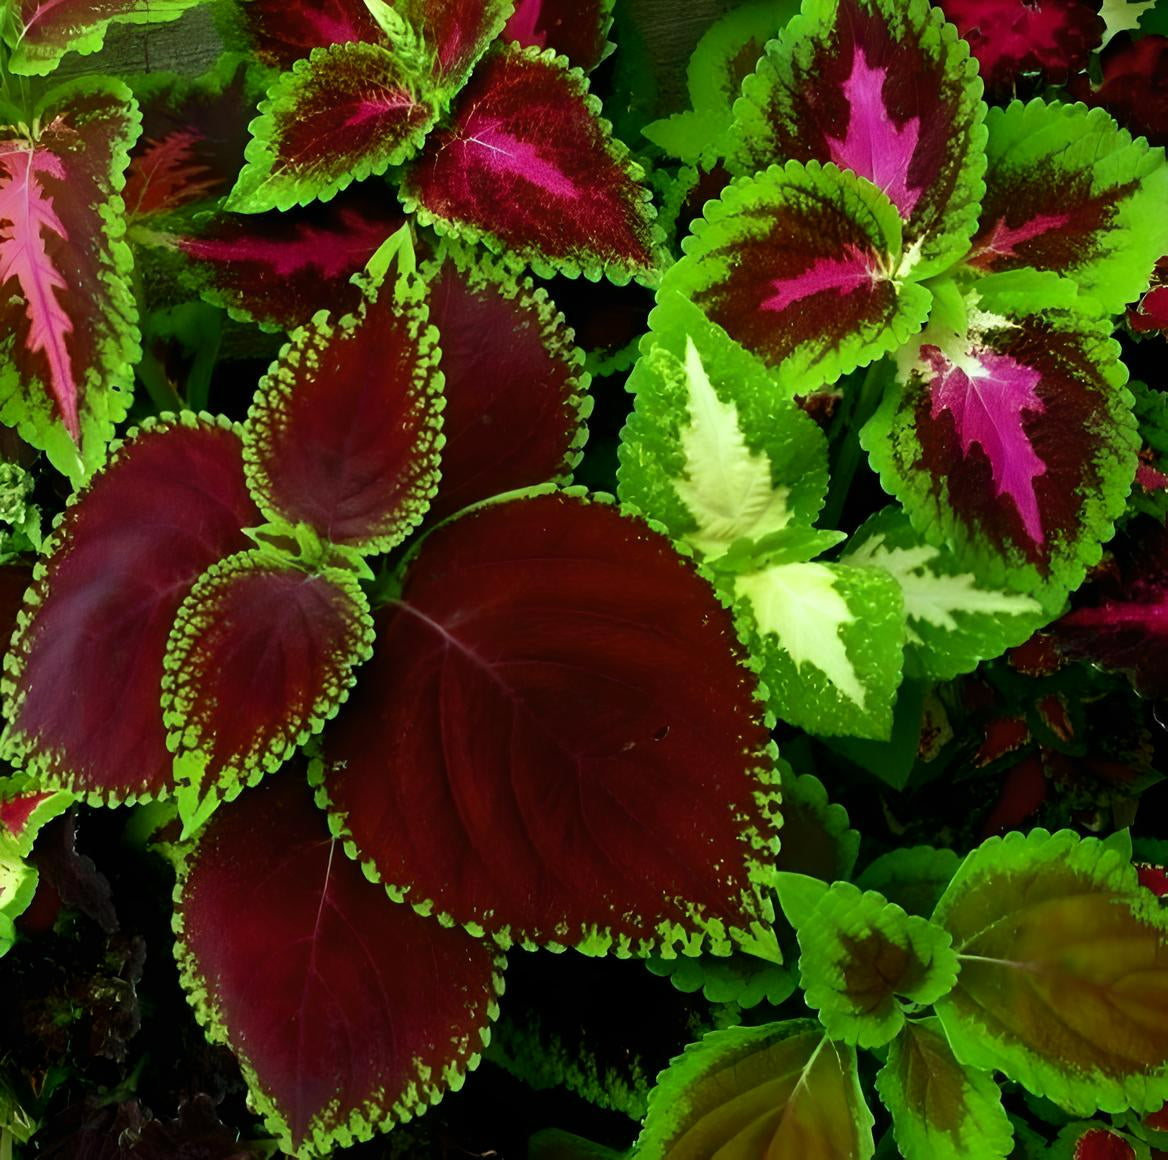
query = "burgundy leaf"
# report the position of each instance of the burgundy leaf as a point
(343, 433)
(458, 32)
(283, 33)
(14, 582)
(1122, 620)
(577, 30)
(556, 739)
(1155, 878)
(346, 1010)
(528, 166)
(260, 655)
(279, 269)
(1102, 1144)
(1008, 37)
(513, 388)
(1151, 313)
(166, 174)
(82, 696)
(1133, 89)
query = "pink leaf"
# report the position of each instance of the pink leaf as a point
(347, 1010)
(458, 31)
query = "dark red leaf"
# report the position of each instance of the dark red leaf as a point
(14, 582)
(1002, 735)
(1023, 791)
(281, 268)
(457, 30)
(342, 435)
(15, 811)
(1151, 313)
(346, 1010)
(1155, 878)
(527, 165)
(556, 738)
(1133, 89)
(283, 33)
(166, 174)
(1053, 37)
(1102, 1144)
(513, 412)
(576, 30)
(83, 695)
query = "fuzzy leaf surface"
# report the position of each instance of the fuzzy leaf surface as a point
(343, 434)
(85, 669)
(579, 33)
(528, 167)
(348, 1013)
(261, 654)
(1064, 971)
(282, 33)
(759, 1093)
(514, 382)
(1068, 190)
(941, 1110)
(797, 264)
(709, 451)
(883, 88)
(68, 321)
(457, 32)
(348, 112)
(550, 697)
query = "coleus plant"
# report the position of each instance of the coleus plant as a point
(880, 217)
(520, 664)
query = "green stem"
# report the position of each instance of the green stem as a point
(206, 356)
(158, 386)
(850, 453)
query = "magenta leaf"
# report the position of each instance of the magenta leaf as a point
(1051, 37)
(86, 666)
(279, 269)
(528, 167)
(261, 654)
(457, 32)
(514, 384)
(343, 434)
(167, 174)
(557, 739)
(68, 322)
(283, 33)
(578, 31)
(348, 1013)
(883, 88)
(1120, 621)
(348, 112)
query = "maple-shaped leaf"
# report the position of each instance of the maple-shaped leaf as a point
(1053, 38)
(550, 698)
(279, 269)
(954, 621)
(514, 386)
(68, 321)
(343, 435)
(862, 958)
(886, 89)
(1132, 91)
(40, 32)
(830, 638)
(347, 112)
(1068, 190)
(283, 33)
(85, 669)
(1009, 436)
(799, 265)
(262, 653)
(709, 451)
(941, 1110)
(1120, 620)
(527, 166)
(782, 1089)
(348, 1013)
(1064, 971)
(578, 32)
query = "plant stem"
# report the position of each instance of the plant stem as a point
(206, 355)
(160, 389)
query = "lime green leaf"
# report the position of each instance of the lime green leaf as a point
(780, 1090)
(914, 877)
(940, 1109)
(817, 838)
(860, 955)
(954, 621)
(740, 978)
(799, 895)
(1064, 971)
(709, 450)
(830, 638)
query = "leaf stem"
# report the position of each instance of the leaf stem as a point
(206, 356)
(158, 386)
(863, 406)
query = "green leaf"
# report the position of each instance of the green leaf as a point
(830, 638)
(861, 956)
(1068, 190)
(1064, 971)
(914, 877)
(709, 449)
(740, 978)
(953, 621)
(816, 838)
(894, 760)
(779, 1090)
(799, 895)
(940, 1109)
(803, 266)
